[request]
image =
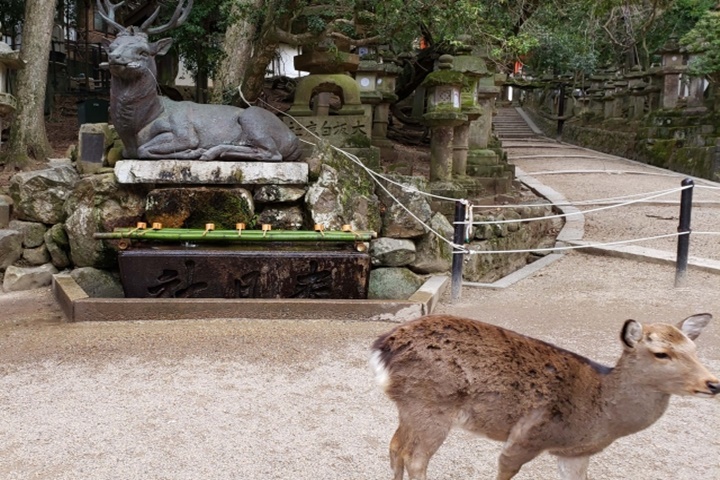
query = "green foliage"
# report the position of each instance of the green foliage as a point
(704, 40)
(199, 40)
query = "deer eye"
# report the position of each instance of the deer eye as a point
(661, 355)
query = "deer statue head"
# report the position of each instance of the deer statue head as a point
(132, 51)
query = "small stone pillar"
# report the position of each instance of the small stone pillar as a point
(673, 65)
(444, 113)
(609, 99)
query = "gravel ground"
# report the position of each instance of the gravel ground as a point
(295, 399)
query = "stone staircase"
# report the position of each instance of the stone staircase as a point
(509, 124)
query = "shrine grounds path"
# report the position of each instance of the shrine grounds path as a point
(220, 400)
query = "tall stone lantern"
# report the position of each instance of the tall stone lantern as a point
(673, 65)
(9, 60)
(473, 69)
(443, 113)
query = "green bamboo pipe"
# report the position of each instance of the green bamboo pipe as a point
(198, 235)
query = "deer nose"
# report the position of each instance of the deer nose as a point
(714, 387)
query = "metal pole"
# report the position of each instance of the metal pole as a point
(683, 245)
(457, 259)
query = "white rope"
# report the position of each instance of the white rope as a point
(609, 172)
(591, 210)
(571, 247)
(705, 233)
(585, 202)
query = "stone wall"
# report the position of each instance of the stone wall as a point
(57, 211)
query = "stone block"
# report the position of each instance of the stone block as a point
(194, 207)
(10, 247)
(246, 272)
(194, 172)
(19, 278)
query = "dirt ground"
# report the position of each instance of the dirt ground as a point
(295, 399)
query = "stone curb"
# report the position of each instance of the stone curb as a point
(79, 307)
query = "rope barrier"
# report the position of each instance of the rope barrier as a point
(581, 202)
(582, 212)
(573, 247)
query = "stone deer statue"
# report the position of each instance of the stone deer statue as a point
(443, 371)
(155, 127)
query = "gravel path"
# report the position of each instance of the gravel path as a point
(295, 399)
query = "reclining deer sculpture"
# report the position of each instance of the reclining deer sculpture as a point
(154, 127)
(443, 371)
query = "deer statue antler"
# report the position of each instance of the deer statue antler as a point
(179, 16)
(107, 12)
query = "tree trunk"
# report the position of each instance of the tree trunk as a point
(238, 48)
(28, 137)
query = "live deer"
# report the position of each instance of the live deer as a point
(443, 371)
(155, 127)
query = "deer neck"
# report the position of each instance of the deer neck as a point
(629, 405)
(134, 103)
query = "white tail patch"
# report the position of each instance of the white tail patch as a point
(382, 375)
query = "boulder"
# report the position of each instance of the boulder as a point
(433, 254)
(343, 195)
(283, 217)
(56, 241)
(399, 222)
(36, 256)
(39, 195)
(98, 283)
(278, 194)
(32, 232)
(393, 283)
(194, 207)
(10, 247)
(392, 252)
(28, 278)
(98, 205)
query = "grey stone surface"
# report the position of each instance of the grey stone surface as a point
(33, 232)
(36, 256)
(392, 252)
(57, 243)
(393, 283)
(278, 193)
(209, 173)
(98, 283)
(10, 247)
(6, 206)
(99, 205)
(27, 278)
(40, 195)
(283, 217)
(397, 222)
(433, 255)
(331, 204)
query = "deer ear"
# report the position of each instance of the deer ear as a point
(631, 334)
(162, 46)
(694, 324)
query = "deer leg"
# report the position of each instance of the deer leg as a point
(171, 143)
(415, 441)
(520, 446)
(241, 152)
(573, 468)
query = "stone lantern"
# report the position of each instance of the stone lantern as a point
(473, 69)
(9, 60)
(376, 81)
(443, 113)
(673, 65)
